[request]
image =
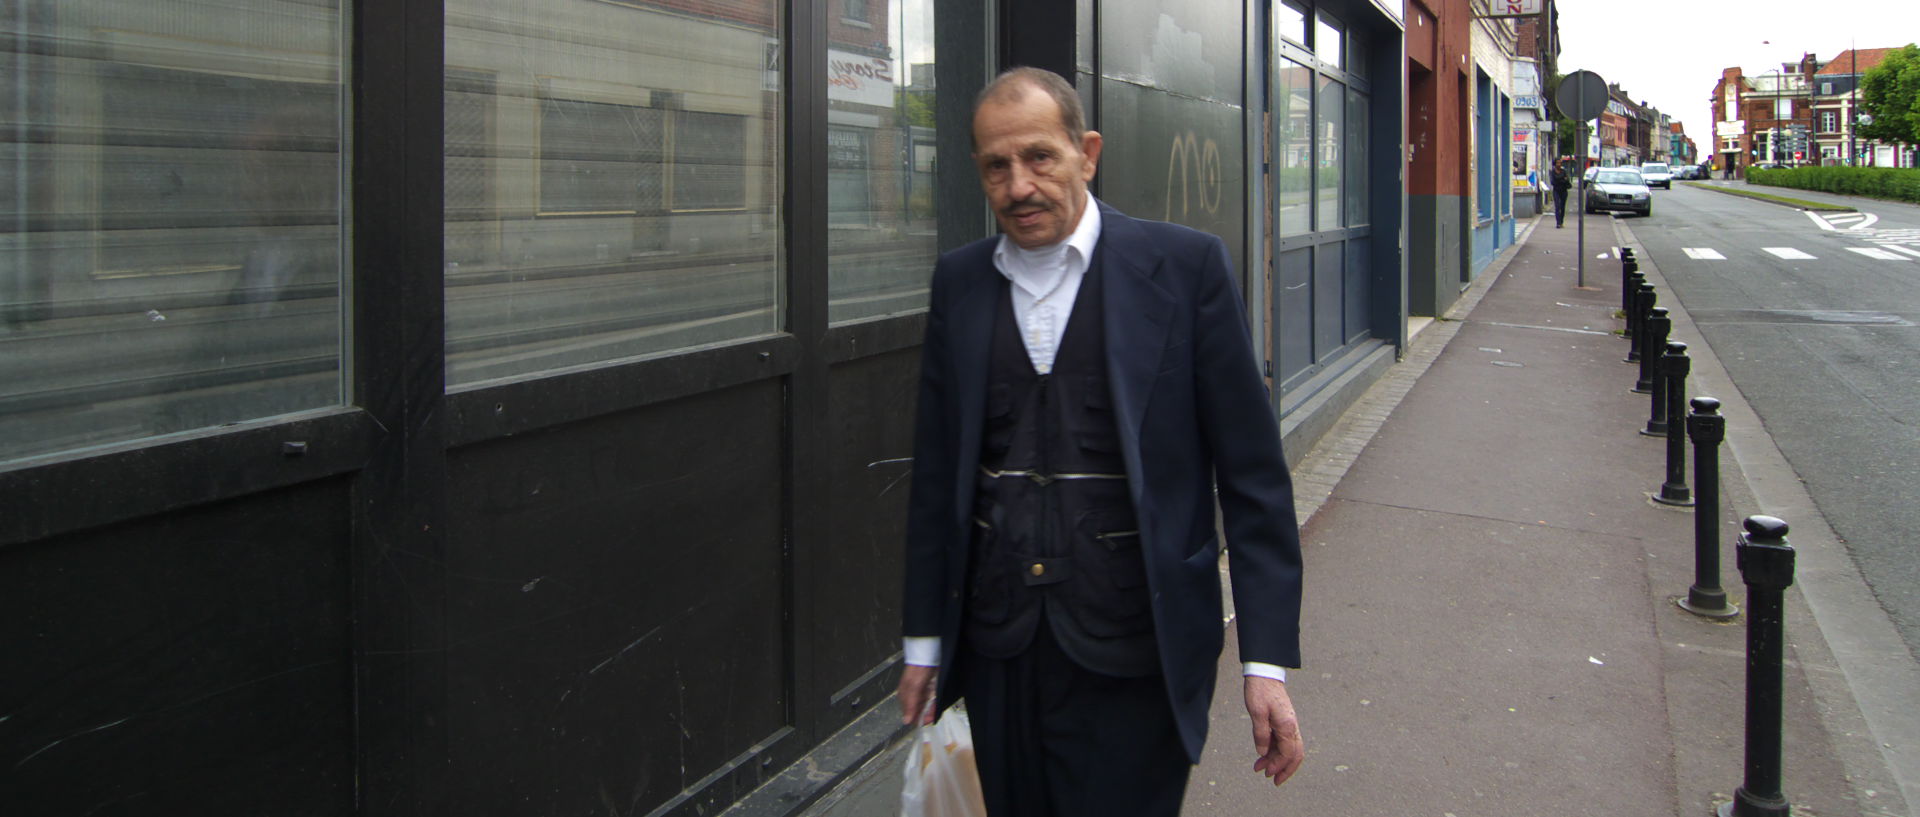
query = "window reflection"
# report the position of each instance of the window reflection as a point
(1293, 123)
(881, 152)
(1356, 187)
(172, 233)
(1291, 17)
(612, 180)
(1331, 109)
(1327, 41)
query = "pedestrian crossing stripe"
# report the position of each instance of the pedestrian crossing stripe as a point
(1789, 253)
(1703, 254)
(1876, 252)
(1908, 250)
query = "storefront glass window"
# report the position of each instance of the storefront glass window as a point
(612, 182)
(1293, 137)
(1291, 17)
(1331, 107)
(1356, 165)
(1327, 42)
(171, 234)
(881, 197)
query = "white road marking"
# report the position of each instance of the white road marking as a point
(1876, 252)
(1908, 250)
(1789, 253)
(1828, 222)
(1703, 254)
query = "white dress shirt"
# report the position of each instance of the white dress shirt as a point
(1044, 284)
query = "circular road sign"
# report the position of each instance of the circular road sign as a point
(1581, 95)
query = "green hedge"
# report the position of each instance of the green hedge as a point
(1899, 184)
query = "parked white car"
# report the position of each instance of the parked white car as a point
(1657, 174)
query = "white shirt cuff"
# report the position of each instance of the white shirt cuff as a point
(922, 651)
(1264, 671)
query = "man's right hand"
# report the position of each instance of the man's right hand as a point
(916, 694)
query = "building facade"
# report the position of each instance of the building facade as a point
(1537, 44)
(1765, 119)
(1834, 115)
(1495, 43)
(435, 406)
(1439, 179)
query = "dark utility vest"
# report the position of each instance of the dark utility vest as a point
(1054, 536)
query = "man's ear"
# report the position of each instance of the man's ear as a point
(1090, 147)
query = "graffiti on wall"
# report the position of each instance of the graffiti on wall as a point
(1193, 177)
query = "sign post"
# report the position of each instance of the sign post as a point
(1581, 96)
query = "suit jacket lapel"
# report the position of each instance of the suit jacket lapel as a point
(1139, 315)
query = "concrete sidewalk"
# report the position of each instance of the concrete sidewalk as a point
(1489, 627)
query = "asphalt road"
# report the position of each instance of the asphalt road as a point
(1817, 321)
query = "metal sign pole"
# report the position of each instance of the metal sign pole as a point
(1588, 93)
(1580, 225)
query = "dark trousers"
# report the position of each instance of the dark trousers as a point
(1055, 740)
(1559, 206)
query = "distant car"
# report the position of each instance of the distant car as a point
(1619, 189)
(1686, 172)
(1771, 166)
(1657, 174)
(1588, 176)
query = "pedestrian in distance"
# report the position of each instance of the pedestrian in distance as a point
(1061, 556)
(1561, 182)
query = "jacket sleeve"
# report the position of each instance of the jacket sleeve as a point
(1250, 472)
(929, 506)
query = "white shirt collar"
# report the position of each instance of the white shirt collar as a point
(1035, 270)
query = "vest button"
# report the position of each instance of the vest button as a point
(1038, 569)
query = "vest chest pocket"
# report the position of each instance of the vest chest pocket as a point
(1093, 428)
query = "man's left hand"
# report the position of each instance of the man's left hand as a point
(1276, 730)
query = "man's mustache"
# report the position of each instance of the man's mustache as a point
(1026, 205)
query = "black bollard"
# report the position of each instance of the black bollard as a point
(1643, 305)
(1653, 337)
(1766, 564)
(1708, 429)
(1674, 366)
(1628, 266)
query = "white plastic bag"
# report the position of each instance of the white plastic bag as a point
(941, 778)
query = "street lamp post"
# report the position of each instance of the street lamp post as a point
(1853, 107)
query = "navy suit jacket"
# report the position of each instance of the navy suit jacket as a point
(1193, 413)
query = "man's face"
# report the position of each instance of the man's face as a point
(1036, 180)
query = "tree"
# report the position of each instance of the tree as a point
(1890, 94)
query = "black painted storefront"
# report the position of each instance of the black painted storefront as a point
(643, 586)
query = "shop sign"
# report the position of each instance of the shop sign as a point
(1514, 8)
(859, 79)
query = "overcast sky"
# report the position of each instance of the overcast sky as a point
(1669, 53)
